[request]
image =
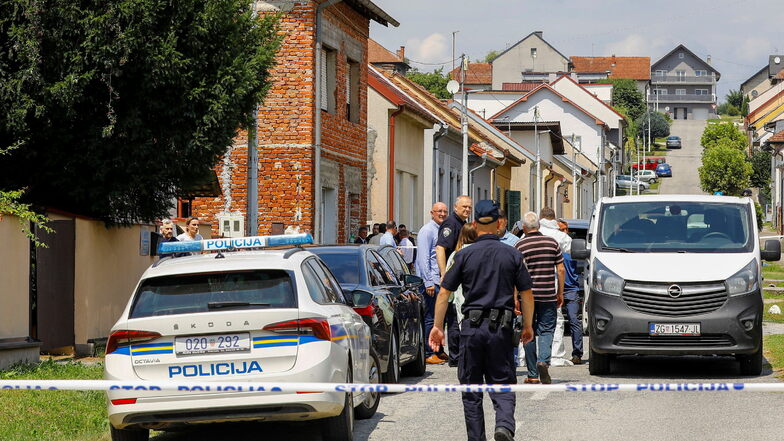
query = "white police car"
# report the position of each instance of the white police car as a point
(261, 315)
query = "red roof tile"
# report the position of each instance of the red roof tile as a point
(636, 68)
(478, 73)
(380, 54)
(777, 137)
(520, 87)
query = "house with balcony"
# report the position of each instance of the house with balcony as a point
(683, 85)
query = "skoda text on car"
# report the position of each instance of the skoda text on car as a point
(674, 275)
(261, 315)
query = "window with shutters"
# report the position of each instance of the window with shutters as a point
(328, 79)
(352, 91)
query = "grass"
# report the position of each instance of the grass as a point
(774, 352)
(53, 415)
(776, 318)
(725, 118)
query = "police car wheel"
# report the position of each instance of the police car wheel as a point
(129, 435)
(393, 367)
(341, 427)
(416, 368)
(368, 407)
(598, 364)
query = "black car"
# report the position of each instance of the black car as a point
(396, 315)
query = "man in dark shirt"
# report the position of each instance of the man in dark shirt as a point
(448, 232)
(543, 258)
(362, 237)
(572, 290)
(492, 274)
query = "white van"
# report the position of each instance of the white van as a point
(674, 275)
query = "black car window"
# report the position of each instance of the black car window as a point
(333, 293)
(344, 266)
(315, 288)
(333, 284)
(380, 271)
(392, 257)
(389, 273)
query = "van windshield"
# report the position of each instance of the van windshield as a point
(671, 227)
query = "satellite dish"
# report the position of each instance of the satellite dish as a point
(452, 86)
(667, 109)
(777, 60)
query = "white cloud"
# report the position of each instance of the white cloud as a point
(431, 49)
(636, 45)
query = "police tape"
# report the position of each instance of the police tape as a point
(267, 387)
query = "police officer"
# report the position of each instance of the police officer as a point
(494, 279)
(448, 232)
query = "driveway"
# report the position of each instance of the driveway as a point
(686, 161)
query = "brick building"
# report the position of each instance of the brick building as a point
(311, 130)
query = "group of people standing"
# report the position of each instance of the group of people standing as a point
(479, 279)
(390, 234)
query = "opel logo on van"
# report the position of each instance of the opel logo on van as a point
(674, 291)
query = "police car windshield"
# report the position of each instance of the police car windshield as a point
(194, 293)
(671, 227)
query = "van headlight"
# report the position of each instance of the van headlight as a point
(744, 281)
(604, 280)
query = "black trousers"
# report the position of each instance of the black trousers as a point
(486, 358)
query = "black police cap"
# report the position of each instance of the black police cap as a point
(486, 209)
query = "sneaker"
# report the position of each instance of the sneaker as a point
(434, 359)
(503, 434)
(544, 374)
(443, 355)
(577, 360)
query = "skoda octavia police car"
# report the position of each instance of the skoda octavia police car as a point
(262, 316)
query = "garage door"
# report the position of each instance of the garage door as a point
(700, 113)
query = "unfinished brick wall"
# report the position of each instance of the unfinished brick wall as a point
(286, 129)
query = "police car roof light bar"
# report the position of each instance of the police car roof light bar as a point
(227, 243)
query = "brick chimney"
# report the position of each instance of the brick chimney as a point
(613, 60)
(539, 33)
(709, 59)
(401, 53)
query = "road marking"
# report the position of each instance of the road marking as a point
(539, 396)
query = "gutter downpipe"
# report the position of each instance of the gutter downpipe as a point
(317, 159)
(391, 162)
(252, 213)
(436, 177)
(493, 183)
(471, 172)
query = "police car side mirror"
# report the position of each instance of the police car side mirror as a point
(772, 251)
(579, 250)
(362, 298)
(411, 281)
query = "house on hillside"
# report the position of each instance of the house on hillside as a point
(311, 130)
(634, 68)
(383, 58)
(684, 85)
(770, 75)
(479, 76)
(530, 59)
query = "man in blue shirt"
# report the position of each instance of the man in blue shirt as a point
(389, 236)
(572, 300)
(427, 269)
(506, 237)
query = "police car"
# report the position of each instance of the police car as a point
(253, 315)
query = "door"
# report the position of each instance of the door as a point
(329, 216)
(700, 113)
(53, 296)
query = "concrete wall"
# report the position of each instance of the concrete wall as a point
(107, 268)
(588, 101)
(378, 156)
(14, 279)
(604, 91)
(759, 83)
(409, 147)
(509, 66)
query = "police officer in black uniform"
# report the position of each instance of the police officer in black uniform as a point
(492, 275)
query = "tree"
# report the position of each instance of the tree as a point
(492, 55)
(659, 126)
(728, 109)
(114, 107)
(735, 98)
(625, 95)
(10, 205)
(760, 174)
(744, 109)
(725, 169)
(727, 130)
(435, 82)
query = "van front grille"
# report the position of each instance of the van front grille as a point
(656, 298)
(701, 341)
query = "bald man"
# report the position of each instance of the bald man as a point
(427, 269)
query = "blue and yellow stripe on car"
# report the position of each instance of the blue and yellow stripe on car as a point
(152, 349)
(278, 341)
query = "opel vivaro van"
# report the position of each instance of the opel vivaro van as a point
(674, 275)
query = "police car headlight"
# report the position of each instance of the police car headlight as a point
(744, 281)
(605, 281)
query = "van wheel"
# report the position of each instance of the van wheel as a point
(367, 408)
(751, 364)
(598, 364)
(129, 434)
(393, 367)
(341, 427)
(416, 368)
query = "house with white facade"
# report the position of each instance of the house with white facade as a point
(527, 59)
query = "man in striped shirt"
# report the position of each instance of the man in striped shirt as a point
(542, 255)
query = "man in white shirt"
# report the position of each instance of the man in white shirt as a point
(389, 236)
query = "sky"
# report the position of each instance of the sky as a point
(738, 35)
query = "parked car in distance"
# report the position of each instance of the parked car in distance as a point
(648, 176)
(629, 183)
(664, 170)
(673, 142)
(396, 314)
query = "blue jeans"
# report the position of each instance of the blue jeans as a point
(430, 311)
(540, 348)
(450, 325)
(572, 302)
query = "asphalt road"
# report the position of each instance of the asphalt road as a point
(670, 416)
(686, 161)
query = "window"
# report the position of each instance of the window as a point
(661, 72)
(315, 287)
(660, 91)
(533, 52)
(701, 91)
(380, 274)
(701, 73)
(184, 207)
(681, 74)
(332, 290)
(680, 54)
(352, 91)
(328, 79)
(680, 91)
(344, 266)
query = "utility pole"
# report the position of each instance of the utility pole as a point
(464, 124)
(538, 206)
(453, 50)
(574, 179)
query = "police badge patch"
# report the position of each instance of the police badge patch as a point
(447, 231)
